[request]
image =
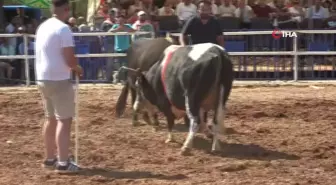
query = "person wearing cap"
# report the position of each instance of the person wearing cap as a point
(143, 25)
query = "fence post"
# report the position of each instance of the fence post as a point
(25, 43)
(295, 58)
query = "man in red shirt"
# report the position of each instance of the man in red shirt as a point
(262, 9)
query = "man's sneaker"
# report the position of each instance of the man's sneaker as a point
(71, 167)
(49, 164)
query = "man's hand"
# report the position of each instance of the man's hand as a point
(78, 70)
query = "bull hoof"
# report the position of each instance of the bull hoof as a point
(185, 151)
(169, 141)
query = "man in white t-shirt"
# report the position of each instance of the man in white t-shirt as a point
(55, 58)
(185, 10)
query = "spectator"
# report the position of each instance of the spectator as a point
(185, 10)
(251, 3)
(133, 18)
(166, 10)
(330, 5)
(73, 24)
(317, 11)
(245, 13)
(5, 65)
(7, 49)
(227, 9)
(21, 15)
(217, 2)
(149, 7)
(332, 8)
(234, 3)
(214, 8)
(83, 27)
(142, 24)
(277, 5)
(121, 44)
(122, 12)
(104, 10)
(203, 28)
(108, 23)
(42, 19)
(135, 7)
(297, 12)
(262, 9)
(11, 28)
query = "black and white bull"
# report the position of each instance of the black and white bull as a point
(142, 54)
(187, 80)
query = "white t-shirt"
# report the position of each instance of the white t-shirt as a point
(51, 36)
(184, 12)
(247, 13)
(295, 11)
(226, 11)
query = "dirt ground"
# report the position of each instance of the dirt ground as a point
(274, 136)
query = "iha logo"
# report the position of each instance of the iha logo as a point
(277, 34)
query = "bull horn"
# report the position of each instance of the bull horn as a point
(133, 71)
(168, 37)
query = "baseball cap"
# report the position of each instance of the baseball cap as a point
(141, 13)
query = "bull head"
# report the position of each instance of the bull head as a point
(145, 95)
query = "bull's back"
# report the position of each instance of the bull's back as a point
(144, 53)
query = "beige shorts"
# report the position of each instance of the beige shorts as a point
(58, 98)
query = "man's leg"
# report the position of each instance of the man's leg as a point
(64, 110)
(49, 127)
(63, 139)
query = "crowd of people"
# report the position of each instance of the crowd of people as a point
(141, 16)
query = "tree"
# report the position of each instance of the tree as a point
(2, 20)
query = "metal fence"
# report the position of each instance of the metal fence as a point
(256, 55)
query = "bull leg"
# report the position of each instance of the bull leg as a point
(156, 120)
(146, 118)
(207, 132)
(135, 108)
(170, 121)
(217, 121)
(192, 110)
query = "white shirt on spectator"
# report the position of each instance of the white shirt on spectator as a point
(323, 13)
(247, 14)
(214, 9)
(295, 11)
(51, 36)
(10, 28)
(226, 11)
(184, 12)
(162, 11)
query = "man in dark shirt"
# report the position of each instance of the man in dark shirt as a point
(203, 28)
(21, 14)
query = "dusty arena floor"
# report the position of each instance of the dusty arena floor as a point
(274, 136)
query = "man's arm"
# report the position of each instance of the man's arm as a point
(186, 30)
(67, 44)
(219, 34)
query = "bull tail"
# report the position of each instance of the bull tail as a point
(224, 84)
(121, 103)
